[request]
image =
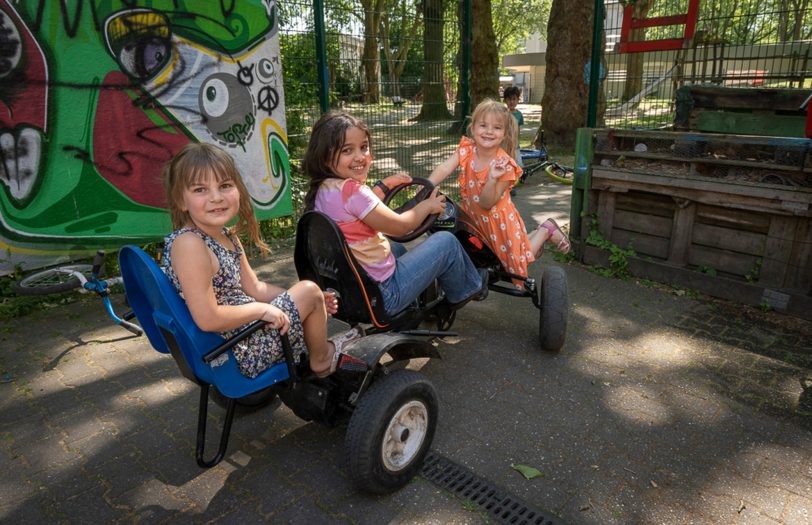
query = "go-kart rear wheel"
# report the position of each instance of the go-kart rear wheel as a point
(554, 309)
(245, 404)
(390, 431)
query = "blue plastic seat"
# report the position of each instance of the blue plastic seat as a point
(203, 357)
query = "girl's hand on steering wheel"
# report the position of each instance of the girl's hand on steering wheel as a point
(276, 319)
(385, 186)
(435, 203)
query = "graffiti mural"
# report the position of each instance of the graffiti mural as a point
(96, 95)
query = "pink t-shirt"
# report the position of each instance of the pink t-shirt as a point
(347, 202)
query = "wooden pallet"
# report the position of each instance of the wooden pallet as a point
(684, 207)
(746, 111)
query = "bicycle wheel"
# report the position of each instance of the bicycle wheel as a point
(559, 173)
(53, 280)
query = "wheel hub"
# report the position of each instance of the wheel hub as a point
(404, 435)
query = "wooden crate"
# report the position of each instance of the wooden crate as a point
(746, 111)
(728, 215)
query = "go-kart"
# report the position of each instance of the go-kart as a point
(391, 411)
(549, 296)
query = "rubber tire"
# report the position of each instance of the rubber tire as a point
(246, 404)
(63, 282)
(365, 433)
(554, 309)
(560, 174)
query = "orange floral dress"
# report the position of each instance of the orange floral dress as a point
(502, 226)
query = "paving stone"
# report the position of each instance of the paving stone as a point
(37, 509)
(797, 510)
(704, 399)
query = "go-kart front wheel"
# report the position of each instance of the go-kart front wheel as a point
(554, 307)
(390, 431)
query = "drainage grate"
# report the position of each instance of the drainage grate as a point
(466, 485)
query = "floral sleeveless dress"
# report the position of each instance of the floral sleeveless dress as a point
(263, 348)
(501, 226)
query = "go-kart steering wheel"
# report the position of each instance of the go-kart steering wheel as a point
(423, 194)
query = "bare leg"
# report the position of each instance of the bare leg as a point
(309, 300)
(537, 239)
(549, 231)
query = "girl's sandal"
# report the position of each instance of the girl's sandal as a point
(552, 228)
(339, 342)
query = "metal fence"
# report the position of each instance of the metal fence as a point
(738, 44)
(320, 38)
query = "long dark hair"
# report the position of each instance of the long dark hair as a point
(326, 140)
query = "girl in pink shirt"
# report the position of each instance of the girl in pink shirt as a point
(337, 161)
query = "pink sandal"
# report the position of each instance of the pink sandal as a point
(552, 228)
(339, 342)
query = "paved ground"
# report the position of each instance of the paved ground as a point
(659, 409)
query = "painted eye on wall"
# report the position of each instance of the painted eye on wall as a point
(140, 41)
(143, 59)
(226, 108)
(265, 70)
(12, 45)
(214, 97)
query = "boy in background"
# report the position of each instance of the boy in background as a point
(511, 96)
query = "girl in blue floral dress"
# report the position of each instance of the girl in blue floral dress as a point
(205, 261)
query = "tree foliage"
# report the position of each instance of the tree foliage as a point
(738, 22)
(515, 20)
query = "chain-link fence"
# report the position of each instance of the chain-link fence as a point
(397, 70)
(655, 47)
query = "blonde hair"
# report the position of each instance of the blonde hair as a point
(191, 165)
(489, 106)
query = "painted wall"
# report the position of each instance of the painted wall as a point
(96, 95)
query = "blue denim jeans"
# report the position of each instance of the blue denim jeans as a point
(440, 257)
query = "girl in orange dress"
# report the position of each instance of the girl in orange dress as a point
(485, 179)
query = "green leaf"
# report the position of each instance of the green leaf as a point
(527, 472)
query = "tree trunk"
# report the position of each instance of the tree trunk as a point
(396, 60)
(435, 106)
(783, 20)
(564, 105)
(461, 86)
(634, 61)
(484, 56)
(371, 57)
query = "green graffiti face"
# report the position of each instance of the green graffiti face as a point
(103, 97)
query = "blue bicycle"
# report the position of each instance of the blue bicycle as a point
(85, 278)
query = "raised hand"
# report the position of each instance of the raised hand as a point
(393, 181)
(498, 168)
